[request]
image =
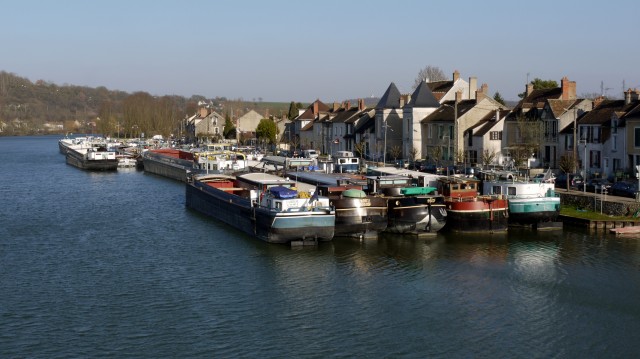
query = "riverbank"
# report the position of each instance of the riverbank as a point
(583, 216)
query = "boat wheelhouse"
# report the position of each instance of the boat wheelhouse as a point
(530, 202)
(470, 212)
(357, 214)
(270, 209)
(410, 209)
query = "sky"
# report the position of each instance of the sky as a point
(330, 50)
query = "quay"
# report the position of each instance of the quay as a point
(614, 206)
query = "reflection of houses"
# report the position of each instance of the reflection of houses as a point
(205, 126)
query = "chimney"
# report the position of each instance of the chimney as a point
(482, 93)
(336, 106)
(456, 75)
(568, 89)
(404, 99)
(315, 108)
(627, 97)
(529, 89)
(347, 105)
(597, 101)
(634, 95)
(458, 96)
(361, 104)
(473, 87)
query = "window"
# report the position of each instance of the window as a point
(511, 191)
(495, 135)
(636, 137)
(614, 143)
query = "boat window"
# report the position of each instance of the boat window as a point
(511, 191)
(497, 190)
(454, 187)
(279, 205)
(472, 185)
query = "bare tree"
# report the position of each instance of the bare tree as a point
(413, 152)
(360, 148)
(436, 154)
(488, 156)
(567, 163)
(395, 152)
(429, 74)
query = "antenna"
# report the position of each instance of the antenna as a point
(527, 78)
(603, 89)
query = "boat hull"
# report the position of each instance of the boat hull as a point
(529, 211)
(78, 159)
(479, 215)
(269, 226)
(415, 215)
(359, 217)
(168, 164)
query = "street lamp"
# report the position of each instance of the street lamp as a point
(455, 126)
(384, 154)
(584, 166)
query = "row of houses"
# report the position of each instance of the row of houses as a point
(455, 121)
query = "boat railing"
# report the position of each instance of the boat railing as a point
(491, 197)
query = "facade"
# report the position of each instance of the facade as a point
(205, 126)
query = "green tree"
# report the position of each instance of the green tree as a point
(229, 129)
(539, 84)
(293, 110)
(499, 98)
(267, 131)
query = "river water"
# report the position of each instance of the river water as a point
(114, 265)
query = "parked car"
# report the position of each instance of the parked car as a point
(575, 181)
(624, 189)
(597, 184)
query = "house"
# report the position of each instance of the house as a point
(388, 122)
(205, 126)
(304, 126)
(536, 122)
(421, 104)
(449, 130)
(605, 149)
(246, 124)
(629, 119)
(484, 147)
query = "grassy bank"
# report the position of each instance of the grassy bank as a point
(595, 216)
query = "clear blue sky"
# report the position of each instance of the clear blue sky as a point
(305, 50)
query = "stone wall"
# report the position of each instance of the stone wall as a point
(611, 206)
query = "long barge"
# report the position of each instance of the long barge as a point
(264, 206)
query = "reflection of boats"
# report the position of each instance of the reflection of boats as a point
(263, 205)
(530, 202)
(357, 214)
(410, 209)
(470, 212)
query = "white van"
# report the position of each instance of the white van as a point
(309, 154)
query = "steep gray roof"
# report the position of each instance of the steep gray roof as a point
(391, 98)
(423, 97)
